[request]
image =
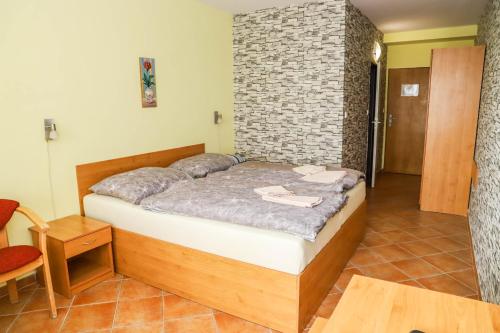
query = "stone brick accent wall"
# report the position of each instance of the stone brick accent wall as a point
(288, 83)
(289, 74)
(484, 215)
(360, 36)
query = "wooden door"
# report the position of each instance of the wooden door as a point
(456, 77)
(405, 126)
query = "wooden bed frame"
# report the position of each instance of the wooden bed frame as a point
(282, 301)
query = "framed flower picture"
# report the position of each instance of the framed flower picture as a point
(148, 82)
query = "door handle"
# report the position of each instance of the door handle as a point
(390, 120)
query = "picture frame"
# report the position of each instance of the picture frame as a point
(147, 72)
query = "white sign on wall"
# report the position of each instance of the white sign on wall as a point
(409, 89)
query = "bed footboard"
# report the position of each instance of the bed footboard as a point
(282, 301)
(255, 293)
(320, 275)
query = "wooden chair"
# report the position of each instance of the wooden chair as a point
(22, 259)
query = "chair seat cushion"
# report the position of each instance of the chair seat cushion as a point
(14, 257)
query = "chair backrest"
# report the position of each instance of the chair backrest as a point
(4, 240)
(7, 209)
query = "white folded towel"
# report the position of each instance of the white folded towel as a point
(273, 190)
(325, 177)
(294, 200)
(279, 194)
(309, 169)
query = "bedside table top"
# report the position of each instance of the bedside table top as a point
(71, 227)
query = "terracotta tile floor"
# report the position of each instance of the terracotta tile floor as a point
(402, 244)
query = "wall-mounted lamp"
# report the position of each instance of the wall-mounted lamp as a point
(50, 129)
(217, 117)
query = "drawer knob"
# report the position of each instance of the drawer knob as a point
(90, 242)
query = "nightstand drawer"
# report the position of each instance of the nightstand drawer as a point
(87, 242)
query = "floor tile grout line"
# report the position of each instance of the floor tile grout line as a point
(92, 303)
(445, 272)
(66, 315)
(407, 242)
(419, 238)
(418, 221)
(400, 270)
(217, 330)
(19, 289)
(461, 283)
(12, 323)
(94, 330)
(416, 255)
(20, 310)
(397, 268)
(441, 272)
(189, 317)
(214, 322)
(134, 325)
(409, 276)
(30, 297)
(413, 280)
(118, 292)
(48, 308)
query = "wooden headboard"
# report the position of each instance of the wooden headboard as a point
(92, 173)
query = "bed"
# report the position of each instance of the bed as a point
(222, 265)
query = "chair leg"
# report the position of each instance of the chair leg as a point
(49, 289)
(12, 289)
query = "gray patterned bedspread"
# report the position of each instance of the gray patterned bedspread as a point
(229, 196)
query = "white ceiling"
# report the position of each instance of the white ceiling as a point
(403, 15)
(387, 15)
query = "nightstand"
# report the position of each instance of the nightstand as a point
(80, 253)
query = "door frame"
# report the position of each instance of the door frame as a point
(376, 121)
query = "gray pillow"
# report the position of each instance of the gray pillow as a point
(201, 165)
(133, 186)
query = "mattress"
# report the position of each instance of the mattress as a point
(266, 248)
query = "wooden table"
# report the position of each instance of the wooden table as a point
(79, 251)
(375, 306)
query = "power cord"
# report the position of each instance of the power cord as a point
(51, 184)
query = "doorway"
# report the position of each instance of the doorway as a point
(371, 156)
(407, 100)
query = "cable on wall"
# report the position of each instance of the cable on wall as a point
(50, 135)
(218, 121)
(51, 183)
